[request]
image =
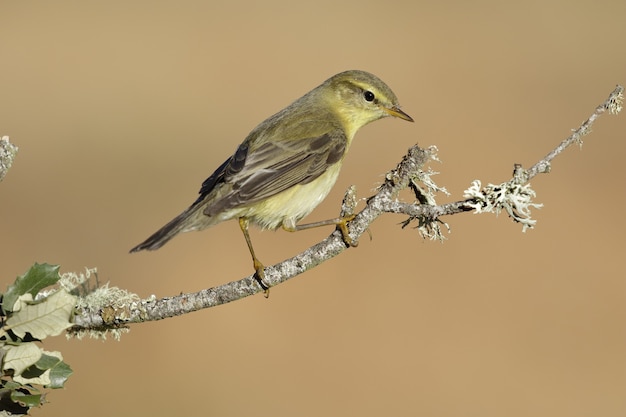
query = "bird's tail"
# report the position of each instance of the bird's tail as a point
(181, 223)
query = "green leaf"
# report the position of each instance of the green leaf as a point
(33, 376)
(38, 277)
(49, 360)
(25, 398)
(10, 385)
(59, 374)
(49, 317)
(10, 407)
(49, 371)
(59, 371)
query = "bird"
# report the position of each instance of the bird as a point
(287, 164)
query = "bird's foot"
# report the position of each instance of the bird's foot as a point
(259, 276)
(342, 224)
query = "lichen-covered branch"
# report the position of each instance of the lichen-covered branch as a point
(515, 197)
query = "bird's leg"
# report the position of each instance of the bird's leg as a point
(340, 222)
(259, 274)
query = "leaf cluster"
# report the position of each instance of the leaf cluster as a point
(30, 311)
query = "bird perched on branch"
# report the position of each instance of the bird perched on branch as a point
(288, 164)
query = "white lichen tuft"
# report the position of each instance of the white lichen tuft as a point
(579, 133)
(425, 177)
(615, 103)
(114, 297)
(425, 190)
(116, 334)
(117, 302)
(431, 229)
(512, 197)
(77, 282)
(7, 155)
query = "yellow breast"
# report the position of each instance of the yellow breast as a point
(293, 204)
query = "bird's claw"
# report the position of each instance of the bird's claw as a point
(342, 224)
(259, 276)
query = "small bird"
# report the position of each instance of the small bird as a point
(288, 164)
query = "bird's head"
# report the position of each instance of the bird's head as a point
(359, 98)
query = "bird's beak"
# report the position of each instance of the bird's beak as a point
(396, 112)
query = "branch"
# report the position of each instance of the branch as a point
(110, 309)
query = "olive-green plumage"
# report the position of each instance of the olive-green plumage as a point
(288, 164)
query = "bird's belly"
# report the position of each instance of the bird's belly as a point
(294, 203)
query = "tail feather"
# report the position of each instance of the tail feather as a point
(177, 225)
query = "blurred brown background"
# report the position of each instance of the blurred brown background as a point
(121, 109)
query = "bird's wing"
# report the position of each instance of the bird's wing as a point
(248, 177)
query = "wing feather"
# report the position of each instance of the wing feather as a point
(273, 167)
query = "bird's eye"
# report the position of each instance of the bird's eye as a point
(369, 96)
